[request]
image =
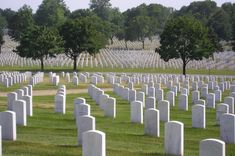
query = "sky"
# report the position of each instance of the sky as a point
(123, 5)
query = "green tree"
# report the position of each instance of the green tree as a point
(233, 43)
(101, 8)
(143, 21)
(229, 8)
(122, 35)
(39, 43)
(81, 13)
(115, 24)
(81, 35)
(1, 41)
(220, 23)
(201, 10)
(8, 14)
(185, 38)
(139, 28)
(3, 24)
(158, 14)
(20, 22)
(51, 13)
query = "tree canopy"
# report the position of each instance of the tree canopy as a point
(219, 19)
(201, 10)
(185, 38)
(81, 13)
(8, 14)
(51, 13)
(3, 24)
(158, 14)
(81, 35)
(101, 8)
(220, 23)
(40, 42)
(21, 21)
(139, 29)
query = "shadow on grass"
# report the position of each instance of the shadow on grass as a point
(70, 146)
(155, 154)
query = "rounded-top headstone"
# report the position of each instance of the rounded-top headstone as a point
(212, 147)
(93, 143)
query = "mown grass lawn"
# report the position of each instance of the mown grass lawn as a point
(121, 70)
(47, 85)
(48, 133)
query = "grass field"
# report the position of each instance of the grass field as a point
(121, 70)
(46, 85)
(51, 134)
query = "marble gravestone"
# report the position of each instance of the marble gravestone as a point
(212, 147)
(93, 143)
(174, 138)
(151, 122)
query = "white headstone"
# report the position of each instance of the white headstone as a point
(110, 107)
(218, 96)
(174, 138)
(19, 107)
(220, 110)
(103, 100)
(93, 143)
(29, 104)
(164, 110)
(60, 104)
(132, 95)
(183, 102)
(137, 112)
(171, 98)
(85, 123)
(30, 90)
(212, 147)
(230, 101)
(140, 96)
(195, 96)
(198, 116)
(210, 100)
(159, 94)
(8, 123)
(78, 101)
(75, 80)
(151, 122)
(151, 92)
(150, 103)
(82, 109)
(204, 91)
(227, 128)
(0, 140)
(11, 97)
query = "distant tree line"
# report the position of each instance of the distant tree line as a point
(221, 20)
(53, 29)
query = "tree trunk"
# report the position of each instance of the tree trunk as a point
(42, 64)
(111, 39)
(126, 44)
(75, 63)
(143, 44)
(0, 49)
(184, 68)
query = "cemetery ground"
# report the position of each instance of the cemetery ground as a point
(49, 133)
(121, 70)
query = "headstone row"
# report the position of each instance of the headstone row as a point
(60, 100)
